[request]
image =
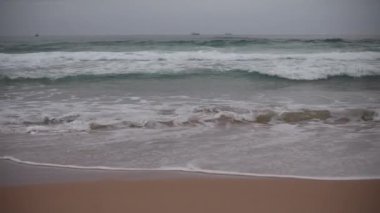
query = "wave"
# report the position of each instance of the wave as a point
(308, 66)
(211, 116)
(245, 74)
(188, 168)
(223, 116)
(214, 42)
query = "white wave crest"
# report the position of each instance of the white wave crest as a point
(307, 66)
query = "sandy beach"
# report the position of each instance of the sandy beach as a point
(180, 192)
(195, 195)
(189, 106)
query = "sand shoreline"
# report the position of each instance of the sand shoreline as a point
(194, 195)
(16, 174)
(12, 168)
(39, 189)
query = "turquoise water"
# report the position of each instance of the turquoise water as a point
(306, 107)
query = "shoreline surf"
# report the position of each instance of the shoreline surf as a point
(191, 170)
(197, 104)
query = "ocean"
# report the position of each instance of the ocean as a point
(228, 104)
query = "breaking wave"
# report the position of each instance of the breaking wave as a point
(204, 116)
(306, 66)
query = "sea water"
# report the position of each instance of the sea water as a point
(296, 107)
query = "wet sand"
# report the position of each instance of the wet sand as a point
(195, 195)
(181, 192)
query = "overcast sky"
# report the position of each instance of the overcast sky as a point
(117, 17)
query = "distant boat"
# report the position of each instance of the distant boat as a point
(195, 34)
(36, 35)
(228, 34)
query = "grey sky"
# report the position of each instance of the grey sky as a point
(63, 17)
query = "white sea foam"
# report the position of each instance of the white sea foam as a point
(305, 66)
(189, 168)
(162, 112)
